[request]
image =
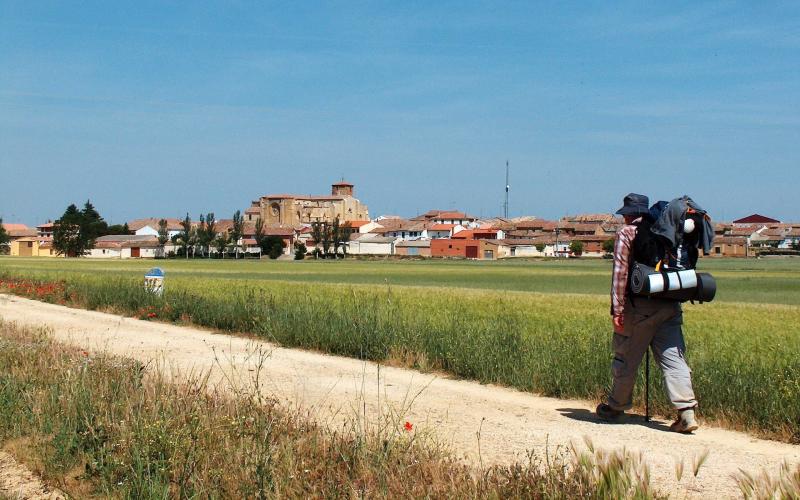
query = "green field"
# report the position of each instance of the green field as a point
(540, 326)
(768, 281)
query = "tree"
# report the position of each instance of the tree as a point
(237, 231)
(118, 229)
(4, 238)
(208, 232)
(300, 251)
(576, 247)
(540, 247)
(273, 246)
(326, 239)
(69, 238)
(221, 243)
(316, 235)
(336, 235)
(93, 225)
(259, 233)
(185, 236)
(163, 234)
(608, 245)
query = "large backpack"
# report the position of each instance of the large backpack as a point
(647, 248)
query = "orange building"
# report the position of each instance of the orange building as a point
(464, 248)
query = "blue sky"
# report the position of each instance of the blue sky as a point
(156, 109)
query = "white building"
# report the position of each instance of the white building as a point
(371, 244)
(125, 246)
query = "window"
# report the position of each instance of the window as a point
(30, 244)
(717, 250)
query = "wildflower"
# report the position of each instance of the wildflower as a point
(151, 315)
(408, 427)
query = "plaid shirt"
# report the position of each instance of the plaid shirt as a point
(619, 279)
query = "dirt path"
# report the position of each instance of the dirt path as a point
(17, 481)
(511, 422)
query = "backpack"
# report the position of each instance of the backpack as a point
(647, 248)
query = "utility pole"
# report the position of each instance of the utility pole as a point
(505, 205)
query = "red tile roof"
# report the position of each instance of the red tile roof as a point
(442, 227)
(357, 223)
(468, 234)
(15, 227)
(137, 224)
(754, 218)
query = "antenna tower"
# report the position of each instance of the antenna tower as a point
(505, 205)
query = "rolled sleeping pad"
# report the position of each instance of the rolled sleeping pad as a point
(678, 285)
(705, 290)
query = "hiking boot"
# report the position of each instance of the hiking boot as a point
(685, 422)
(608, 413)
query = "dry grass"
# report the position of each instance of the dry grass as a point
(112, 427)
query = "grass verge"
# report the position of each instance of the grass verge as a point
(111, 427)
(743, 356)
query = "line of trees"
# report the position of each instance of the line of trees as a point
(331, 237)
(201, 238)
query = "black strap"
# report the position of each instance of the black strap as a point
(665, 277)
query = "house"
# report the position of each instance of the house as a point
(446, 217)
(437, 230)
(755, 219)
(45, 230)
(371, 244)
(421, 248)
(524, 248)
(32, 246)
(729, 246)
(125, 246)
(361, 226)
(478, 234)
(592, 244)
(18, 232)
(150, 227)
(403, 229)
(465, 248)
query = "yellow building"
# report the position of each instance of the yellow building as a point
(32, 247)
(293, 209)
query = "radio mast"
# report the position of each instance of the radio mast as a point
(505, 205)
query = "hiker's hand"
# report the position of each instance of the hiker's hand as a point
(618, 323)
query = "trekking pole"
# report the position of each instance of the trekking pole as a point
(647, 386)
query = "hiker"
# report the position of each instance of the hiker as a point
(643, 322)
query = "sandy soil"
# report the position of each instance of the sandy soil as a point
(334, 388)
(16, 481)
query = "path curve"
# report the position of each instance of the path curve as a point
(334, 388)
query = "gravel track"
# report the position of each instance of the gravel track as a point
(334, 389)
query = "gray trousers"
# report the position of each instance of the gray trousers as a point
(655, 323)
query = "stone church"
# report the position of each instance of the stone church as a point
(295, 209)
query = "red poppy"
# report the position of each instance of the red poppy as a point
(151, 315)
(408, 427)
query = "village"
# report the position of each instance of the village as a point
(292, 218)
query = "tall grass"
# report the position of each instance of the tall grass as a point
(772, 281)
(744, 356)
(98, 425)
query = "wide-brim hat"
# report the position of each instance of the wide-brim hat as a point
(635, 204)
